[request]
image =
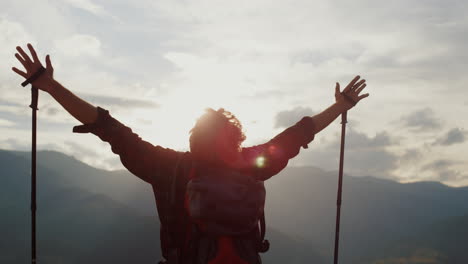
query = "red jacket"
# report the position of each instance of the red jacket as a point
(155, 164)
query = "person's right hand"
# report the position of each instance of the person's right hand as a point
(31, 66)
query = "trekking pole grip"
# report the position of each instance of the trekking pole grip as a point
(34, 98)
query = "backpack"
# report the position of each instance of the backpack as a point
(225, 202)
(215, 201)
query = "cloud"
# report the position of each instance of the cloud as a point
(52, 111)
(55, 19)
(11, 34)
(442, 169)
(81, 151)
(438, 164)
(108, 101)
(87, 5)
(113, 163)
(319, 56)
(410, 156)
(421, 120)
(453, 136)
(275, 54)
(368, 156)
(290, 117)
(372, 162)
(359, 141)
(9, 104)
(364, 155)
(14, 144)
(79, 45)
(6, 123)
(268, 94)
(93, 156)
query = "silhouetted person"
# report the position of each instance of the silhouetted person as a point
(195, 191)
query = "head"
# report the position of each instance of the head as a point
(216, 137)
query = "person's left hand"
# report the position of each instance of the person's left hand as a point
(351, 92)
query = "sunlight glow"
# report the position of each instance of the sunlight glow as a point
(260, 162)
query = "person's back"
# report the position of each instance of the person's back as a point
(215, 155)
(180, 180)
(214, 215)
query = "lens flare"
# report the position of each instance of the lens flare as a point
(260, 162)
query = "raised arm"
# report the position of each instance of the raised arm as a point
(270, 158)
(77, 107)
(152, 164)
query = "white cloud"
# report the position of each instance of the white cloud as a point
(288, 118)
(6, 123)
(364, 155)
(78, 45)
(88, 5)
(11, 35)
(421, 120)
(45, 20)
(255, 58)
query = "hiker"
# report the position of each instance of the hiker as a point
(210, 200)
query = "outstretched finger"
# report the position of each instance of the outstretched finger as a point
(361, 82)
(363, 96)
(20, 72)
(48, 63)
(21, 60)
(25, 56)
(351, 84)
(358, 90)
(337, 88)
(33, 52)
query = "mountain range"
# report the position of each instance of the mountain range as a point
(88, 215)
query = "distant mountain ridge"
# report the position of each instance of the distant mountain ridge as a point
(375, 212)
(86, 215)
(75, 199)
(441, 242)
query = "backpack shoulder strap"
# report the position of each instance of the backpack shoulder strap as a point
(170, 215)
(264, 245)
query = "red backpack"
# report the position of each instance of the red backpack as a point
(213, 201)
(225, 202)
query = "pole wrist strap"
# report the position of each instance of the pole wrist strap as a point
(33, 77)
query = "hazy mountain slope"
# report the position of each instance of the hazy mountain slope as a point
(120, 185)
(374, 211)
(79, 223)
(301, 202)
(285, 248)
(442, 242)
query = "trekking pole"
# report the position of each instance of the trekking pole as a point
(34, 95)
(33, 105)
(340, 186)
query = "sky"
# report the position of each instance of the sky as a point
(156, 65)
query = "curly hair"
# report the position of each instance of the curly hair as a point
(205, 135)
